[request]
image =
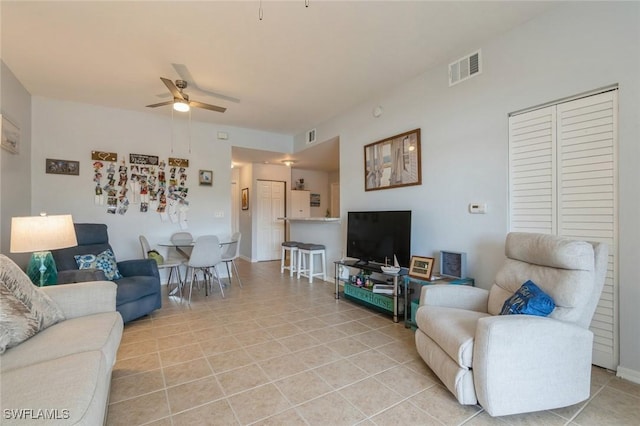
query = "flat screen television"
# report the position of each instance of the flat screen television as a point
(376, 236)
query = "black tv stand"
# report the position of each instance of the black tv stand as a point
(361, 263)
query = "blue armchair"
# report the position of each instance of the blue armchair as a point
(138, 291)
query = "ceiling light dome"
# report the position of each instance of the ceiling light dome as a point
(181, 106)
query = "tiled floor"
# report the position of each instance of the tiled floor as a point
(284, 352)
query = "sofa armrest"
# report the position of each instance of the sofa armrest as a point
(80, 276)
(524, 363)
(455, 296)
(81, 299)
(139, 267)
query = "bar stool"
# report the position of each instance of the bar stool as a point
(292, 248)
(310, 249)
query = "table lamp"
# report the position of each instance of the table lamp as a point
(39, 234)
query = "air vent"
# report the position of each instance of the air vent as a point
(465, 68)
(311, 136)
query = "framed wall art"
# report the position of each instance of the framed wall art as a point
(62, 167)
(205, 177)
(245, 198)
(10, 139)
(393, 162)
(421, 267)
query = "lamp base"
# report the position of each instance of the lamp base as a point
(42, 269)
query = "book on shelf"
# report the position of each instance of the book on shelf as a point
(383, 288)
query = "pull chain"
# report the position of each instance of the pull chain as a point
(260, 14)
(306, 3)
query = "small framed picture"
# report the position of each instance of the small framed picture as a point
(245, 198)
(62, 167)
(421, 267)
(206, 177)
(10, 135)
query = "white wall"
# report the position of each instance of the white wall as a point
(576, 48)
(15, 169)
(67, 130)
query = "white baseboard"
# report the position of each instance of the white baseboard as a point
(628, 374)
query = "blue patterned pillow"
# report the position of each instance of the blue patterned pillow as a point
(529, 300)
(106, 261)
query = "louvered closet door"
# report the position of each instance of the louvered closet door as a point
(587, 202)
(562, 181)
(532, 171)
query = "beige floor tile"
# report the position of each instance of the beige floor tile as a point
(534, 419)
(283, 330)
(373, 362)
(374, 338)
(128, 387)
(186, 372)
(405, 381)
(266, 350)
(242, 378)
(131, 336)
(288, 418)
(176, 340)
(331, 409)
(193, 394)
(209, 332)
(303, 387)
(341, 373)
(181, 354)
(625, 386)
(484, 419)
(354, 327)
(299, 342)
(136, 365)
(370, 396)
(441, 404)
(229, 360)
(258, 403)
(134, 349)
(254, 337)
(349, 346)
(219, 345)
(327, 334)
(312, 323)
(400, 352)
(610, 406)
(318, 356)
(218, 413)
(282, 366)
(140, 410)
(405, 414)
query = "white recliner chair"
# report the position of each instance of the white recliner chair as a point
(517, 363)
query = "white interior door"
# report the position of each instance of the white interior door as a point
(270, 235)
(235, 202)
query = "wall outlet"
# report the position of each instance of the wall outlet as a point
(478, 208)
(219, 213)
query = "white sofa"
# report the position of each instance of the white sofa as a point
(517, 363)
(62, 374)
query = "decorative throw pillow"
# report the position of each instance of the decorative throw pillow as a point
(24, 308)
(529, 300)
(106, 261)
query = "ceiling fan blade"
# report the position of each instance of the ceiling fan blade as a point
(160, 104)
(172, 88)
(206, 106)
(184, 74)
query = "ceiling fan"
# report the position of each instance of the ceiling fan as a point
(181, 100)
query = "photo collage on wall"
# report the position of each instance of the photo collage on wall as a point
(142, 182)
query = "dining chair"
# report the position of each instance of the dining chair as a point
(172, 265)
(185, 238)
(232, 251)
(206, 255)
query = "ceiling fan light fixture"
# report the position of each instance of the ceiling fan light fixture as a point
(288, 163)
(181, 106)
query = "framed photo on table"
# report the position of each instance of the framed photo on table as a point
(421, 267)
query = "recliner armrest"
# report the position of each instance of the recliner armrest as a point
(139, 267)
(81, 299)
(80, 276)
(455, 296)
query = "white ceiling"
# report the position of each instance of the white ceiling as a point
(292, 70)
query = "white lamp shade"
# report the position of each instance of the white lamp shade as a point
(42, 233)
